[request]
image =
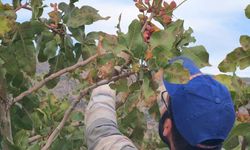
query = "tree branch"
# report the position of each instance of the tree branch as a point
(34, 138)
(57, 130)
(5, 117)
(244, 144)
(25, 6)
(58, 31)
(53, 76)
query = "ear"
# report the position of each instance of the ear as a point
(167, 127)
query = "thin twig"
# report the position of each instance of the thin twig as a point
(34, 138)
(58, 31)
(244, 144)
(25, 6)
(57, 130)
(180, 4)
(176, 7)
(51, 28)
(147, 21)
(53, 76)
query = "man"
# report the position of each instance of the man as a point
(196, 116)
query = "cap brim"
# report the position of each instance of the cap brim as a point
(171, 88)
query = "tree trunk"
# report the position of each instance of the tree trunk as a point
(5, 122)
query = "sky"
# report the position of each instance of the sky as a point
(217, 24)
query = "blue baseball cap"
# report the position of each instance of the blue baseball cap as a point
(202, 109)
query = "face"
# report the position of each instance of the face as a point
(165, 123)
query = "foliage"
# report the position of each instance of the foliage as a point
(62, 42)
(240, 57)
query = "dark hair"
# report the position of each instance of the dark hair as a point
(181, 144)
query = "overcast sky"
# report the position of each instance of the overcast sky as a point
(217, 24)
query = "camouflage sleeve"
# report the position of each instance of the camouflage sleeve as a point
(101, 125)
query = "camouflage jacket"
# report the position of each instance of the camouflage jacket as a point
(101, 124)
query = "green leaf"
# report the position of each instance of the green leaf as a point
(44, 114)
(77, 50)
(185, 38)
(50, 49)
(135, 86)
(7, 55)
(133, 119)
(154, 111)
(21, 139)
(148, 91)
(131, 102)
(134, 40)
(1, 62)
(41, 42)
(176, 73)
(226, 80)
(176, 27)
(78, 33)
(10, 14)
(63, 6)
(247, 11)
(7, 17)
(2, 70)
(89, 45)
(16, 3)
(73, 1)
(138, 134)
(37, 122)
(163, 39)
(56, 63)
(198, 54)
(105, 59)
(25, 56)
(37, 8)
(245, 42)
(161, 56)
(120, 86)
(233, 144)
(239, 57)
(10, 145)
(113, 43)
(20, 55)
(27, 30)
(18, 80)
(68, 49)
(162, 43)
(58, 115)
(77, 116)
(5, 25)
(62, 144)
(239, 130)
(67, 10)
(86, 15)
(34, 147)
(136, 122)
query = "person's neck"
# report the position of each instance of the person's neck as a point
(172, 147)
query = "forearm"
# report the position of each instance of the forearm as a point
(101, 124)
